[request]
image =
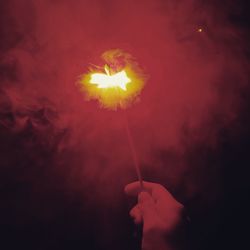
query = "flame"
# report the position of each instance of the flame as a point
(119, 79)
(117, 84)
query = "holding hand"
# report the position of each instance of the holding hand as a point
(159, 212)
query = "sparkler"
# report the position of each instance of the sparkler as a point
(116, 85)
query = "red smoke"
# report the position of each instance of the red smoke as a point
(189, 96)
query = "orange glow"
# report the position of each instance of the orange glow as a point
(200, 30)
(117, 84)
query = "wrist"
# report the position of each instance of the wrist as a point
(156, 242)
(158, 239)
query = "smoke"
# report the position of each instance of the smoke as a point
(195, 61)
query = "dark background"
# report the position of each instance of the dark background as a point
(46, 203)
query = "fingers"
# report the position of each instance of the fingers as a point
(145, 209)
(148, 211)
(147, 205)
(136, 214)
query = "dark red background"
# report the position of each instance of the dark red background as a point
(64, 161)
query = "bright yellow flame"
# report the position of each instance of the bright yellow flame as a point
(115, 85)
(119, 79)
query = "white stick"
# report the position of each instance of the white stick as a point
(133, 152)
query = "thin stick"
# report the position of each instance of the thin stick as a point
(133, 151)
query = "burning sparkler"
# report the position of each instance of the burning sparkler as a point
(104, 81)
(116, 85)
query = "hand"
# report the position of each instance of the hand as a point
(159, 212)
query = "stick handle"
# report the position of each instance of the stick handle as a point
(133, 152)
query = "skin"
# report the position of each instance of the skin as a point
(158, 211)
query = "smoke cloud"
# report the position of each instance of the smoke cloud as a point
(55, 140)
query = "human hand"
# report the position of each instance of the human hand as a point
(159, 212)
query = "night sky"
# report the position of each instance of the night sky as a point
(64, 160)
